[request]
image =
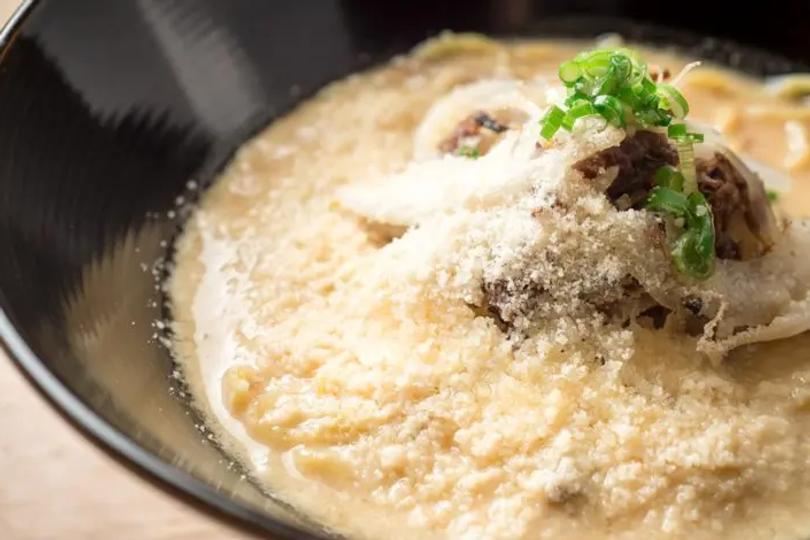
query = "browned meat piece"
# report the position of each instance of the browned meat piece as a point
(637, 159)
(513, 303)
(741, 210)
(479, 131)
(744, 222)
(468, 127)
(506, 301)
(486, 121)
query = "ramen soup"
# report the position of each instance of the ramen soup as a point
(513, 290)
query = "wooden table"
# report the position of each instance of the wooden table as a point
(56, 485)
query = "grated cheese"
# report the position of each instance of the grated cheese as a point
(384, 405)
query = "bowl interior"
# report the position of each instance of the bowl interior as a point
(114, 111)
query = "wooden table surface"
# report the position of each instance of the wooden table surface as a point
(56, 485)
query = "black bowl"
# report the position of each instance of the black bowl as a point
(108, 109)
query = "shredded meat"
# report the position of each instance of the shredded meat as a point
(466, 128)
(486, 121)
(694, 304)
(513, 302)
(479, 131)
(637, 159)
(500, 301)
(737, 211)
(726, 192)
(741, 212)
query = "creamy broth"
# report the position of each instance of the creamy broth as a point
(391, 418)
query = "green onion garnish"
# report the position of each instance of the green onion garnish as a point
(686, 159)
(772, 195)
(666, 200)
(610, 108)
(669, 178)
(578, 110)
(672, 100)
(551, 122)
(693, 251)
(693, 247)
(676, 195)
(616, 84)
(569, 72)
(675, 131)
(678, 132)
(468, 152)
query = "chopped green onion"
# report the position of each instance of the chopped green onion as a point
(611, 108)
(698, 250)
(569, 72)
(621, 66)
(686, 159)
(468, 152)
(772, 195)
(576, 97)
(689, 255)
(652, 117)
(551, 122)
(698, 204)
(669, 178)
(584, 87)
(595, 63)
(629, 97)
(648, 87)
(678, 132)
(673, 100)
(615, 84)
(668, 201)
(615, 77)
(576, 112)
(675, 131)
(693, 250)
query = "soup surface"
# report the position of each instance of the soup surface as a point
(327, 361)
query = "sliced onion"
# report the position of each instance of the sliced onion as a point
(772, 178)
(714, 141)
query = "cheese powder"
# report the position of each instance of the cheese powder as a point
(329, 324)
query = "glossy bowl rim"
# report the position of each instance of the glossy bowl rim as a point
(115, 443)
